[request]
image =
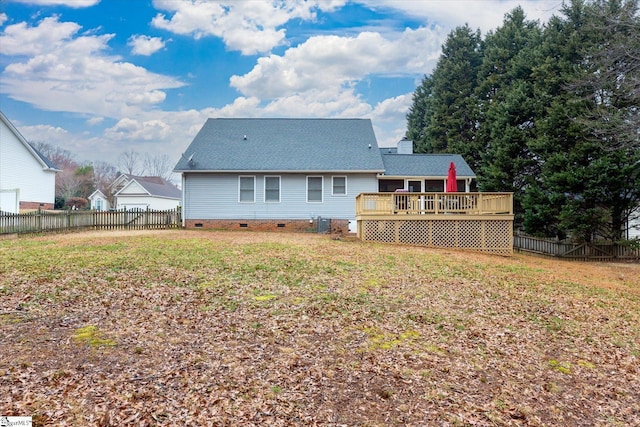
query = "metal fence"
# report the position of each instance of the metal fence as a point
(45, 221)
(596, 251)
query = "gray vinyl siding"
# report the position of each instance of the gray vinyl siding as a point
(215, 196)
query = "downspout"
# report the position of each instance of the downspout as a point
(184, 196)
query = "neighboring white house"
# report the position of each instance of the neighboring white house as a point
(147, 192)
(290, 173)
(99, 202)
(27, 177)
(137, 192)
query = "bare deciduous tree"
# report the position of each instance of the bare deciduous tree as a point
(61, 158)
(612, 79)
(67, 181)
(103, 174)
(130, 162)
(158, 165)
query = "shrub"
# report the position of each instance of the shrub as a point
(76, 203)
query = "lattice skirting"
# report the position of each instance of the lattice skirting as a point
(482, 235)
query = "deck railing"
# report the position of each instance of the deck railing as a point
(434, 203)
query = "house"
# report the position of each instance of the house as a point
(99, 201)
(293, 174)
(147, 192)
(137, 192)
(27, 177)
(104, 200)
(121, 180)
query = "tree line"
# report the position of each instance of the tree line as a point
(78, 180)
(549, 112)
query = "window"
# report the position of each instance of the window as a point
(414, 186)
(433, 185)
(272, 189)
(339, 186)
(390, 185)
(314, 189)
(247, 189)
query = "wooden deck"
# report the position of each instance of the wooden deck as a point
(475, 221)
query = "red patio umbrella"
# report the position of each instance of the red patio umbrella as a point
(452, 185)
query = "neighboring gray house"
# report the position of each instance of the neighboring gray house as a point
(289, 173)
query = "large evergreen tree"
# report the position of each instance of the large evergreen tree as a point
(550, 113)
(443, 117)
(508, 106)
(420, 116)
(557, 132)
(587, 149)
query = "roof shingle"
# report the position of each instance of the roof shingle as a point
(435, 165)
(283, 145)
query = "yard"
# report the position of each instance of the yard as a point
(159, 328)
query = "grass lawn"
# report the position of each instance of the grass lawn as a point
(240, 328)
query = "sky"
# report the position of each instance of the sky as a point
(102, 77)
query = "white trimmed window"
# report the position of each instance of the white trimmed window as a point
(314, 189)
(272, 189)
(339, 185)
(247, 189)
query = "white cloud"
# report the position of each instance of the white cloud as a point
(389, 119)
(240, 107)
(94, 121)
(3, 18)
(141, 99)
(250, 27)
(82, 148)
(50, 34)
(145, 45)
(392, 109)
(43, 133)
(483, 14)
(133, 129)
(76, 4)
(329, 62)
(65, 71)
(319, 103)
